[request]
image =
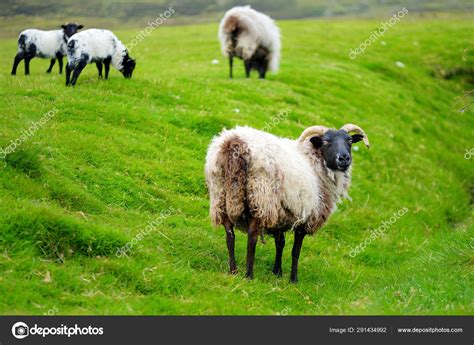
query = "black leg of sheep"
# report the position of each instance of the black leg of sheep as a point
(77, 71)
(230, 237)
(262, 69)
(60, 62)
(279, 245)
(28, 58)
(16, 61)
(253, 232)
(231, 64)
(69, 69)
(107, 67)
(295, 254)
(99, 68)
(53, 61)
(248, 66)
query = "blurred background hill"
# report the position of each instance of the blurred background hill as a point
(126, 13)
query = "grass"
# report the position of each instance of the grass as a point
(120, 153)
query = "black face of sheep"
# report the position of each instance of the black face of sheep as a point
(128, 67)
(335, 147)
(71, 29)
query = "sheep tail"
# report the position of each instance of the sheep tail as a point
(235, 177)
(231, 24)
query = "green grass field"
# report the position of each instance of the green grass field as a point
(120, 153)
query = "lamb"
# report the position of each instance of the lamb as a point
(260, 183)
(44, 44)
(251, 36)
(99, 46)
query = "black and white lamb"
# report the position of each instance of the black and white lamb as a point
(100, 47)
(262, 183)
(251, 36)
(44, 44)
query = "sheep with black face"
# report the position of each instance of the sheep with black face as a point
(44, 44)
(262, 183)
(97, 46)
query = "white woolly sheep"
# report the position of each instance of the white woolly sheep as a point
(260, 183)
(44, 44)
(99, 46)
(251, 36)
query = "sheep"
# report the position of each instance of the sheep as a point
(261, 183)
(251, 36)
(44, 44)
(99, 46)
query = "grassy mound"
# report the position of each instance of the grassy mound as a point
(121, 162)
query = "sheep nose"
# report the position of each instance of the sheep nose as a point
(343, 158)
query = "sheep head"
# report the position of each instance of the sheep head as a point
(334, 145)
(70, 29)
(128, 65)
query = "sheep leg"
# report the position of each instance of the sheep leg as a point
(107, 67)
(16, 61)
(295, 254)
(51, 66)
(230, 237)
(99, 68)
(60, 62)
(69, 69)
(262, 69)
(28, 58)
(279, 245)
(248, 66)
(251, 244)
(231, 64)
(77, 71)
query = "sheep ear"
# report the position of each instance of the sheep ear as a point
(79, 27)
(317, 141)
(357, 137)
(63, 26)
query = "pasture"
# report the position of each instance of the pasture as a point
(120, 153)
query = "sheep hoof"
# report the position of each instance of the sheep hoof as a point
(233, 271)
(293, 280)
(249, 276)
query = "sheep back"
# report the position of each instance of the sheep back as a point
(96, 45)
(47, 43)
(267, 176)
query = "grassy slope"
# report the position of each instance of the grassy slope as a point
(121, 151)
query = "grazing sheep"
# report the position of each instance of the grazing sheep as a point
(44, 44)
(259, 182)
(251, 36)
(99, 46)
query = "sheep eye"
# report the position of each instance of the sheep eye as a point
(326, 143)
